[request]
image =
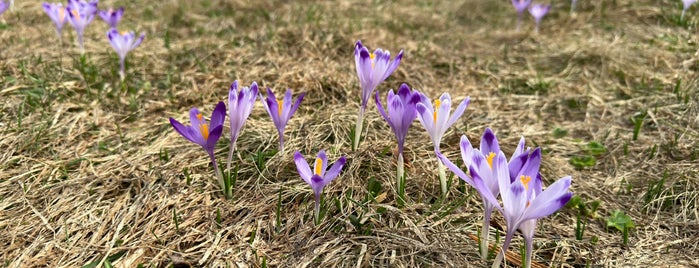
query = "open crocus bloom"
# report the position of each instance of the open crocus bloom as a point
(401, 111)
(111, 16)
(318, 177)
(206, 135)
(436, 119)
(281, 111)
(524, 200)
(57, 13)
(122, 44)
(80, 14)
(240, 103)
(199, 132)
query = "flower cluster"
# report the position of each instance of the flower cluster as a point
(517, 182)
(80, 14)
(240, 104)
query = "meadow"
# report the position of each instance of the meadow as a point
(92, 174)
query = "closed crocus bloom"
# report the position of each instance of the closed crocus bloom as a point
(57, 13)
(372, 69)
(205, 134)
(80, 14)
(400, 115)
(318, 177)
(520, 6)
(240, 104)
(112, 16)
(122, 44)
(538, 11)
(281, 111)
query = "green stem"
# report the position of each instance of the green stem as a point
(400, 179)
(442, 177)
(358, 128)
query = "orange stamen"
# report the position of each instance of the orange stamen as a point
(204, 129)
(319, 166)
(490, 158)
(279, 107)
(437, 103)
(525, 180)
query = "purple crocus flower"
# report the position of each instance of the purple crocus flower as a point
(123, 43)
(401, 113)
(111, 16)
(57, 13)
(686, 5)
(240, 103)
(524, 200)
(372, 69)
(206, 135)
(318, 177)
(436, 121)
(281, 111)
(80, 14)
(538, 11)
(3, 6)
(520, 6)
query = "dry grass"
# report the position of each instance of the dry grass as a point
(83, 175)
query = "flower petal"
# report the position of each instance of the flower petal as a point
(459, 111)
(334, 169)
(489, 143)
(303, 168)
(550, 200)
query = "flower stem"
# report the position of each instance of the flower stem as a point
(358, 128)
(400, 179)
(316, 210)
(442, 177)
(519, 21)
(230, 153)
(122, 73)
(281, 140)
(682, 16)
(219, 177)
(81, 44)
(528, 243)
(505, 245)
(485, 234)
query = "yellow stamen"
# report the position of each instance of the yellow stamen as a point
(76, 14)
(372, 56)
(437, 103)
(319, 166)
(490, 158)
(124, 32)
(279, 106)
(525, 180)
(373, 63)
(203, 128)
(61, 14)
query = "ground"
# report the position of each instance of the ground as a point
(92, 173)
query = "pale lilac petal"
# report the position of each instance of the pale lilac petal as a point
(459, 111)
(489, 143)
(303, 167)
(335, 169)
(550, 200)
